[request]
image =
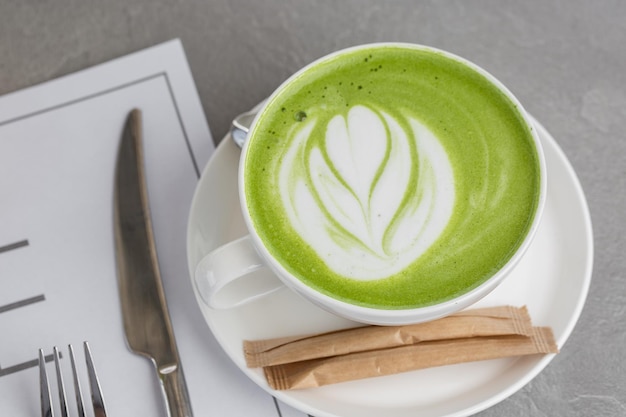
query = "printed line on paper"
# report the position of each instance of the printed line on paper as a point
(112, 90)
(81, 99)
(12, 246)
(277, 407)
(22, 303)
(23, 366)
(182, 126)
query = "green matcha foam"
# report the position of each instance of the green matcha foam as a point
(391, 177)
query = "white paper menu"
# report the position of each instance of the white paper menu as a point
(58, 284)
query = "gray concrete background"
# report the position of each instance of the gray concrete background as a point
(565, 60)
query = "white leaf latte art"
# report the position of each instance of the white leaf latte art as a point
(372, 197)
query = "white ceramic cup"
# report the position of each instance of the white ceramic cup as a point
(244, 270)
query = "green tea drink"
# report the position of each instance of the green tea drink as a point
(391, 177)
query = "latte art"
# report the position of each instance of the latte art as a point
(390, 177)
(369, 197)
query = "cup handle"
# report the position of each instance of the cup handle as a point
(234, 274)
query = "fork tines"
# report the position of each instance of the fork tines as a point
(47, 408)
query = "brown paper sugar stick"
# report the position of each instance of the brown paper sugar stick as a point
(503, 320)
(318, 372)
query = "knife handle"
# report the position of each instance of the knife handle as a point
(175, 391)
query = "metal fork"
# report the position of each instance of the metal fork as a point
(47, 410)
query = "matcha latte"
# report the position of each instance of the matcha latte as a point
(391, 177)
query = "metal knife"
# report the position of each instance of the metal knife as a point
(146, 319)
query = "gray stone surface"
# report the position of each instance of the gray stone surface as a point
(565, 60)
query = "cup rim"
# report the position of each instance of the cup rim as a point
(381, 316)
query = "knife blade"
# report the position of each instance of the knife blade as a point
(144, 308)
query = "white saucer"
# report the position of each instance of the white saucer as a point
(552, 280)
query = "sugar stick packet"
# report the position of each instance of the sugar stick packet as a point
(352, 366)
(493, 321)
